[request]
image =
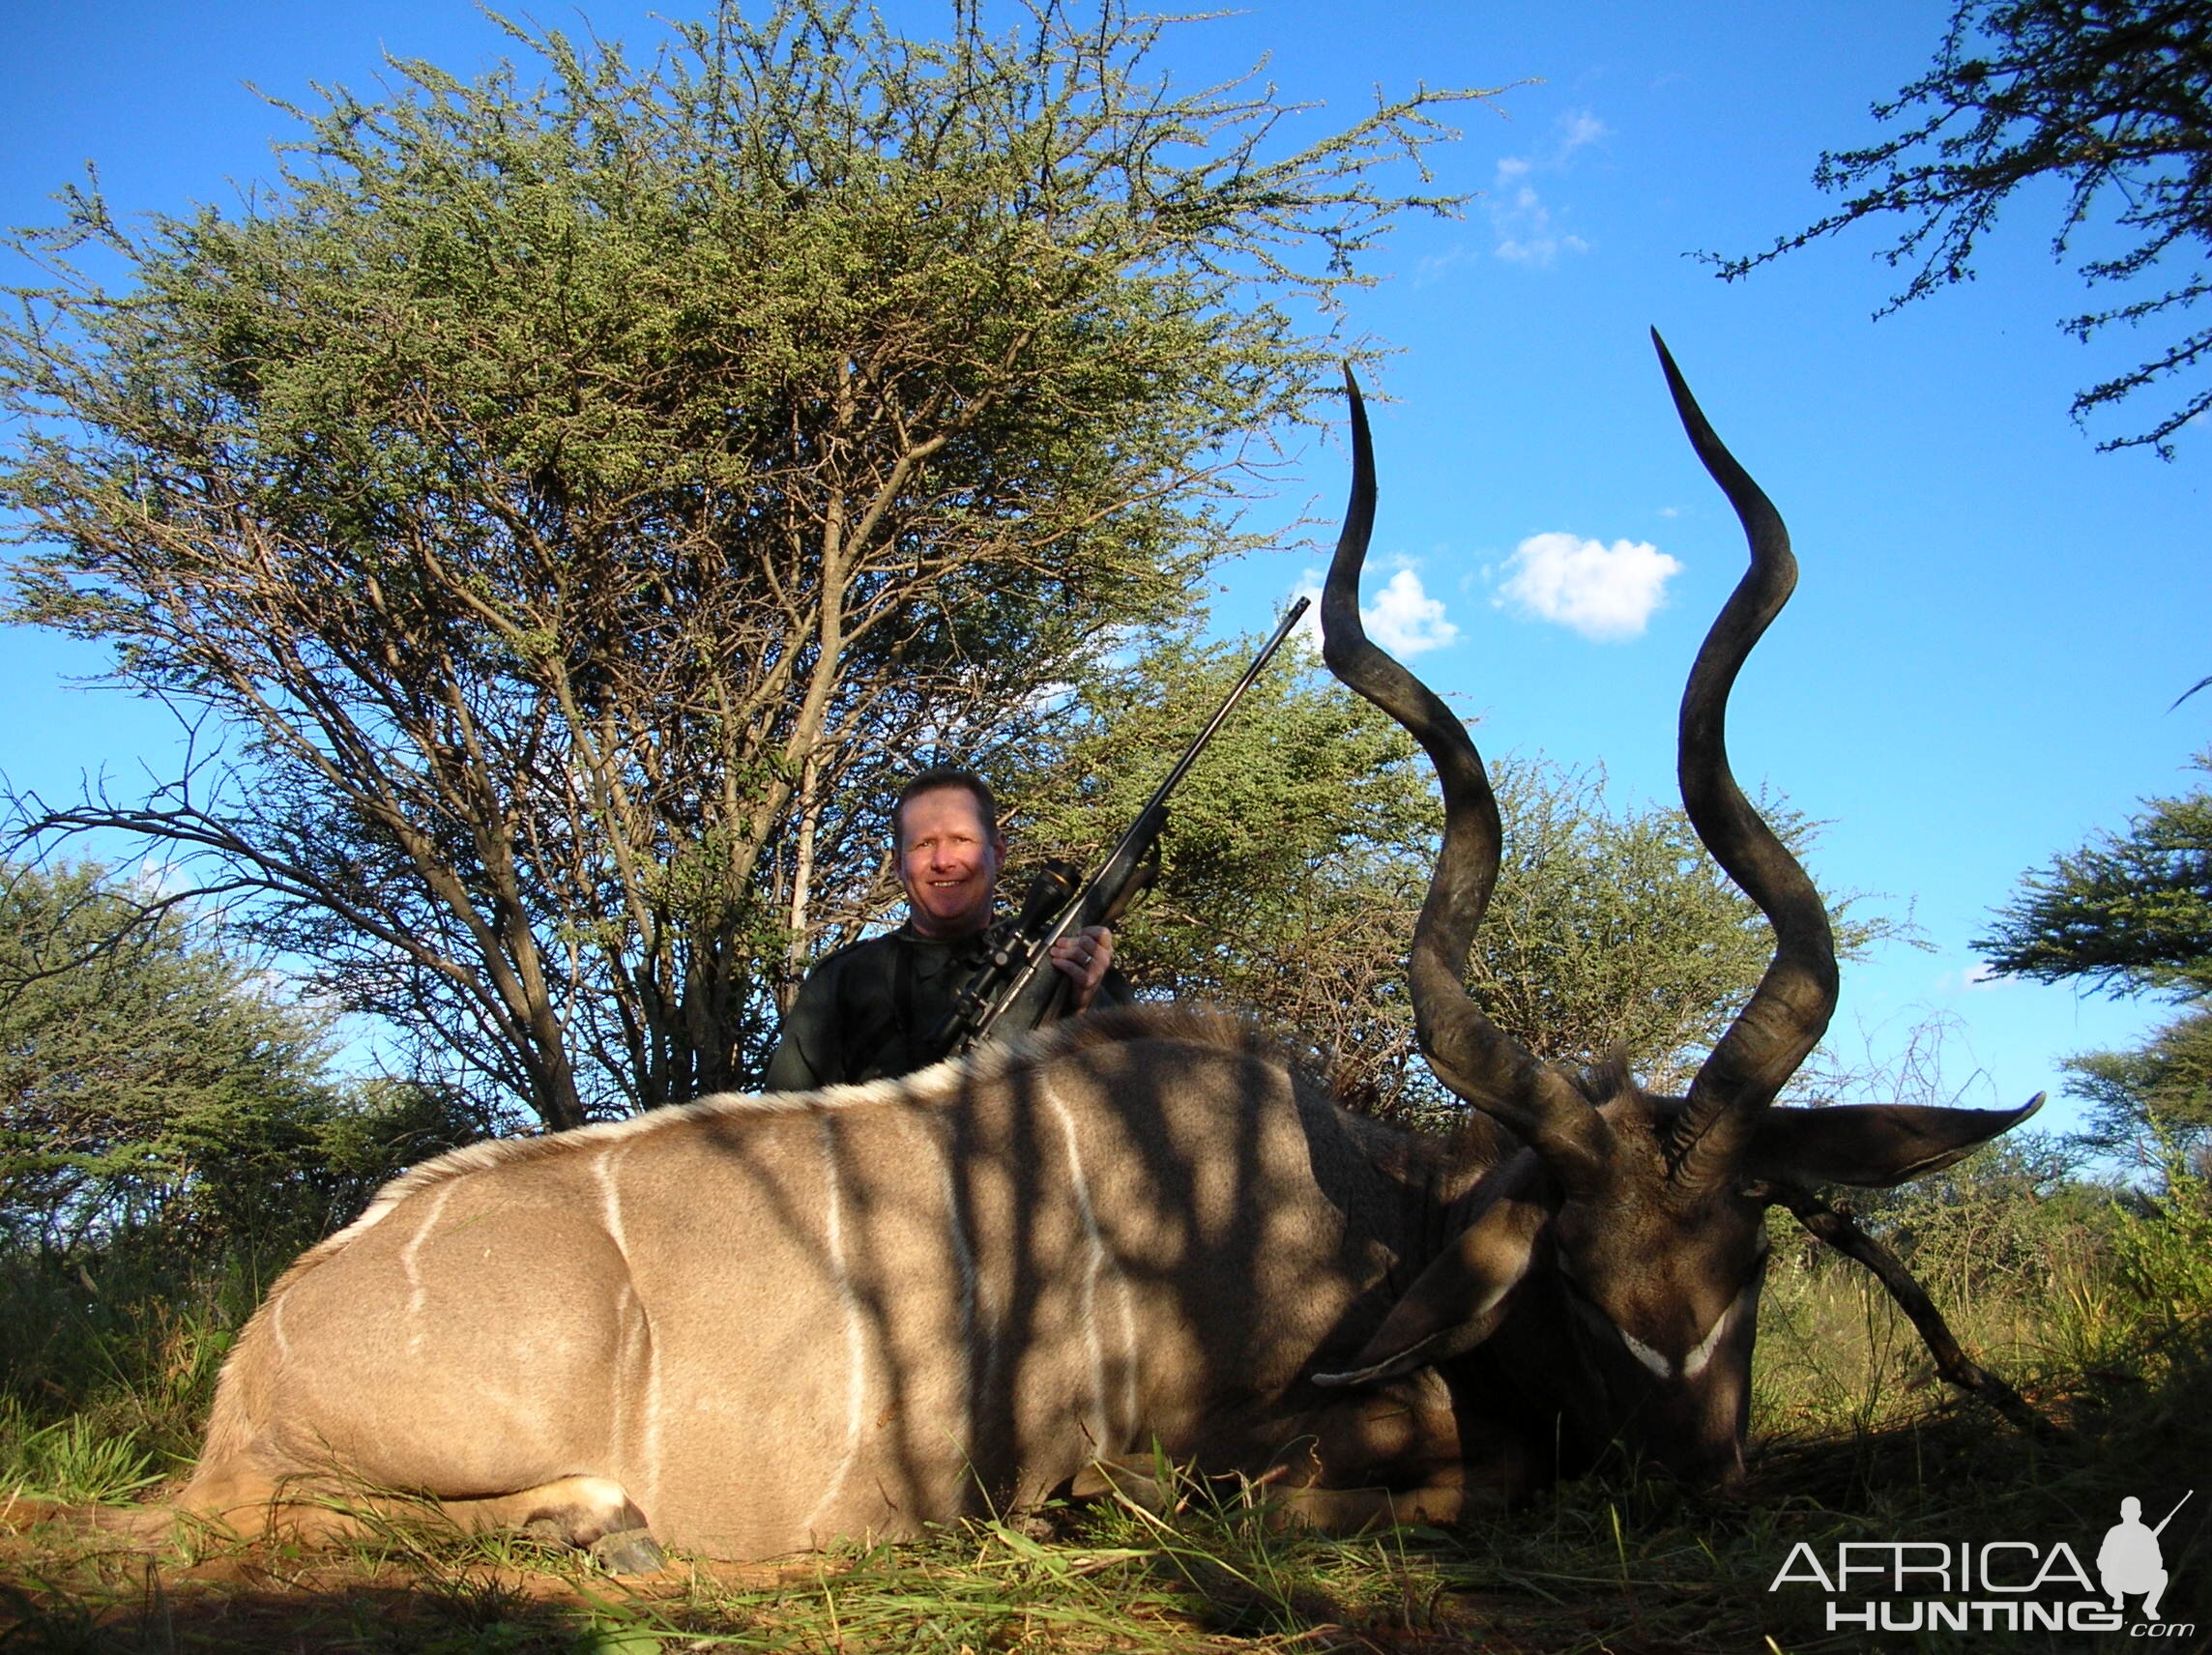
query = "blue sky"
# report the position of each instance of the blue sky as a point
(1993, 618)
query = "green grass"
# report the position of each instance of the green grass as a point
(70, 1459)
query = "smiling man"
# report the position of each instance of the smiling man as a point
(867, 1010)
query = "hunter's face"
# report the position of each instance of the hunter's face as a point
(949, 867)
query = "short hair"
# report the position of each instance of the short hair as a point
(937, 778)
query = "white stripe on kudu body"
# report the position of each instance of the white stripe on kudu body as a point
(930, 1326)
(971, 1309)
(855, 1335)
(411, 1264)
(1093, 1265)
(604, 1168)
(649, 1438)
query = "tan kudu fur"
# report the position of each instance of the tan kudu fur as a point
(749, 1325)
(761, 1323)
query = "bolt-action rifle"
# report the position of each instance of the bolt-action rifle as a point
(1014, 988)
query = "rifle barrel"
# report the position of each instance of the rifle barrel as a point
(1221, 713)
(1131, 842)
(2169, 1517)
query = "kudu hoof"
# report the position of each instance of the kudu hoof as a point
(628, 1552)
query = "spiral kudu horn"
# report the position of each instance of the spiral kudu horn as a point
(1789, 1011)
(1467, 1052)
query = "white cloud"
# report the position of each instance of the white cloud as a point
(1602, 593)
(1435, 267)
(1522, 225)
(1404, 619)
(1524, 230)
(1577, 128)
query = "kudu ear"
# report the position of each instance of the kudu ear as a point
(1872, 1146)
(1459, 1300)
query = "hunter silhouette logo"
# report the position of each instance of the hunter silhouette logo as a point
(2129, 1559)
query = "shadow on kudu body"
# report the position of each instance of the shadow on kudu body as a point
(773, 1322)
(749, 1325)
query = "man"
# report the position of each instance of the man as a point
(868, 1009)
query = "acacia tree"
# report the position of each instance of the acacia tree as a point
(2130, 913)
(2113, 98)
(563, 503)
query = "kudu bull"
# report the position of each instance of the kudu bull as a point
(749, 1325)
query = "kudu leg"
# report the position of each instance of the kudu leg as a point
(595, 1514)
(1355, 1511)
(1403, 1442)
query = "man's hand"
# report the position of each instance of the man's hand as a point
(1082, 958)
